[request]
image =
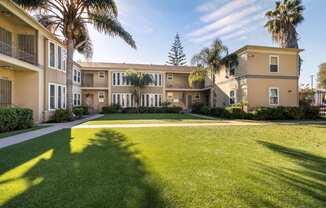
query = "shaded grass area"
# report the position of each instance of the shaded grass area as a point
(256, 166)
(12, 133)
(148, 118)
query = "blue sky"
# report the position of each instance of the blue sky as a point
(154, 23)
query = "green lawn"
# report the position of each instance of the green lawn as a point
(239, 166)
(12, 133)
(148, 118)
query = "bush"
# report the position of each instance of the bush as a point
(85, 109)
(205, 110)
(60, 115)
(287, 113)
(236, 112)
(196, 107)
(220, 113)
(15, 119)
(152, 110)
(115, 108)
(78, 111)
(311, 112)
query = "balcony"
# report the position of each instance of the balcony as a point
(18, 53)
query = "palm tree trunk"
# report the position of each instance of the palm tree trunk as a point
(70, 64)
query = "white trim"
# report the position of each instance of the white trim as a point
(278, 96)
(235, 96)
(101, 73)
(99, 95)
(63, 96)
(56, 59)
(270, 63)
(169, 76)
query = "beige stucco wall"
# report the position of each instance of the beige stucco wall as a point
(258, 92)
(258, 63)
(178, 81)
(90, 99)
(96, 80)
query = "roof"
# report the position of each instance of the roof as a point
(106, 65)
(258, 47)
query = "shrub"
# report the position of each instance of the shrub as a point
(196, 107)
(115, 108)
(311, 112)
(219, 112)
(204, 110)
(236, 112)
(78, 111)
(173, 109)
(60, 115)
(85, 109)
(15, 119)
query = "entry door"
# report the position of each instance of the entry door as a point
(5, 92)
(189, 102)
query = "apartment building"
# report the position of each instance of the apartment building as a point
(33, 75)
(32, 64)
(105, 84)
(263, 76)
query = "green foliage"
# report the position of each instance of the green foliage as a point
(262, 113)
(322, 76)
(78, 111)
(198, 75)
(282, 22)
(173, 109)
(115, 108)
(176, 55)
(15, 119)
(60, 115)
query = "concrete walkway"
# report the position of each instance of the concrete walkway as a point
(19, 138)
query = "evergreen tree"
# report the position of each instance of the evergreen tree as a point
(176, 55)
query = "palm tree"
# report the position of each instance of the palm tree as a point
(69, 19)
(211, 58)
(138, 81)
(283, 20)
(197, 75)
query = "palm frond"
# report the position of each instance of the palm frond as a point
(111, 26)
(104, 5)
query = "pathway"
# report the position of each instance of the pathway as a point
(19, 138)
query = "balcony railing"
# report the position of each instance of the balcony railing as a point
(15, 52)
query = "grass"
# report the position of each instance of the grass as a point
(238, 166)
(12, 133)
(148, 118)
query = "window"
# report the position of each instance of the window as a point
(59, 58)
(52, 96)
(196, 98)
(232, 97)
(78, 76)
(6, 42)
(123, 99)
(273, 63)
(5, 92)
(274, 96)
(151, 100)
(26, 48)
(232, 68)
(101, 75)
(77, 99)
(169, 76)
(75, 75)
(57, 96)
(52, 55)
(119, 79)
(156, 78)
(101, 97)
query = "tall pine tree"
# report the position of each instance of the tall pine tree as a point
(176, 55)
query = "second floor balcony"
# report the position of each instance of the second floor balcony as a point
(26, 54)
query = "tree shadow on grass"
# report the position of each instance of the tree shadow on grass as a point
(302, 184)
(104, 173)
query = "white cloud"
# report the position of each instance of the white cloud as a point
(227, 9)
(232, 18)
(228, 30)
(208, 6)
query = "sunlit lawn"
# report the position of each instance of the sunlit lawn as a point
(256, 166)
(121, 118)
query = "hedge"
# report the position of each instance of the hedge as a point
(262, 113)
(15, 119)
(118, 109)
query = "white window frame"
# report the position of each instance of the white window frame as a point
(63, 96)
(230, 66)
(278, 96)
(270, 63)
(118, 79)
(169, 76)
(56, 59)
(151, 100)
(100, 95)
(235, 97)
(49, 55)
(100, 73)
